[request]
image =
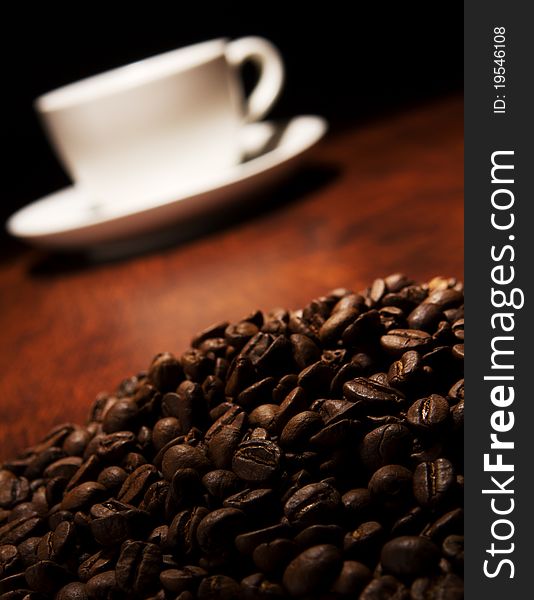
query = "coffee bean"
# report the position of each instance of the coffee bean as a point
(333, 327)
(218, 587)
(429, 413)
(165, 430)
(165, 372)
(453, 549)
(265, 416)
(182, 580)
(314, 535)
(138, 567)
(313, 571)
(273, 557)
(410, 556)
(73, 591)
(374, 397)
(300, 428)
(13, 489)
(391, 486)
(257, 587)
(433, 481)
(398, 341)
(425, 317)
(46, 577)
(312, 504)
(383, 445)
(251, 501)
(385, 588)
(305, 350)
(357, 505)
(136, 484)
(102, 586)
(221, 483)
(112, 478)
(183, 457)
(272, 459)
(256, 460)
(83, 495)
(364, 542)
(183, 530)
(352, 579)
(449, 587)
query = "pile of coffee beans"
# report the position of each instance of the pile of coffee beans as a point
(314, 454)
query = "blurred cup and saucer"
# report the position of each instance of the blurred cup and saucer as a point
(161, 139)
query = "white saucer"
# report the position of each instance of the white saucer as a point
(69, 219)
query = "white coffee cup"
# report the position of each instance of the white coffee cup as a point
(150, 128)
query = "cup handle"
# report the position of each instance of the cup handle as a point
(269, 62)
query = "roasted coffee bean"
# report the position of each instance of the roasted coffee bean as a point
(453, 550)
(239, 334)
(353, 577)
(315, 535)
(251, 501)
(257, 587)
(425, 317)
(138, 568)
(383, 445)
(398, 341)
(73, 591)
(213, 331)
(257, 393)
(9, 559)
(300, 428)
(182, 580)
(366, 326)
(391, 486)
(364, 542)
(165, 372)
(446, 587)
(46, 576)
(196, 365)
(433, 481)
(429, 413)
(112, 478)
(409, 556)
(13, 489)
(405, 371)
(313, 504)
(164, 431)
(333, 327)
(247, 542)
(102, 586)
(315, 453)
(217, 529)
(374, 397)
(265, 416)
(256, 460)
(305, 350)
(135, 485)
(83, 495)
(313, 571)
(183, 530)
(218, 587)
(273, 557)
(221, 483)
(183, 457)
(385, 588)
(357, 505)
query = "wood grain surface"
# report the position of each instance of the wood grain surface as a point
(383, 197)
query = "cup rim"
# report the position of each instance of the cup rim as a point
(129, 76)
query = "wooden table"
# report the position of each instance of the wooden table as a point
(383, 197)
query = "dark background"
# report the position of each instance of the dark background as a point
(347, 61)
